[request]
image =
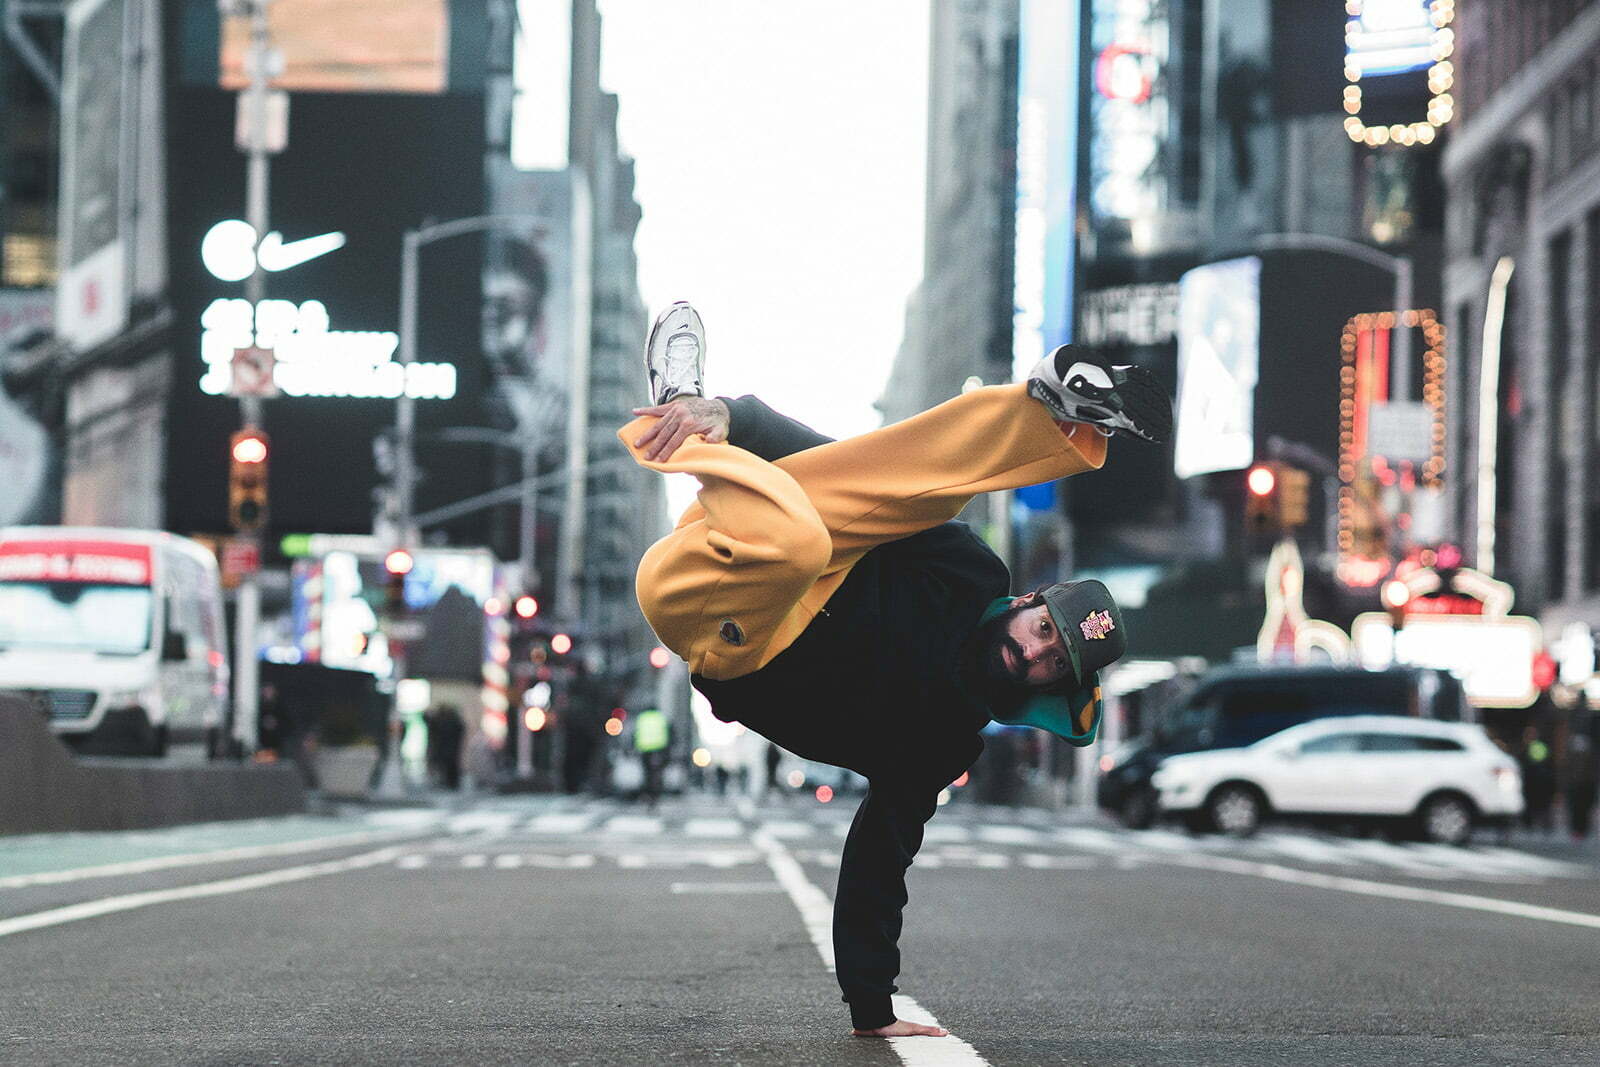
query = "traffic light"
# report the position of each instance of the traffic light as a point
(1261, 499)
(247, 480)
(397, 565)
(1294, 497)
(526, 606)
(659, 657)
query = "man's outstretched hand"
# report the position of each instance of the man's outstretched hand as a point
(681, 418)
(901, 1028)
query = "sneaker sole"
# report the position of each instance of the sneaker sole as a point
(1146, 409)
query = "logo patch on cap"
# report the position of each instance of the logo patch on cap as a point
(731, 633)
(1096, 625)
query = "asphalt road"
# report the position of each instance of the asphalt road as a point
(571, 931)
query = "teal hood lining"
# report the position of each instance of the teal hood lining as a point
(1074, 717)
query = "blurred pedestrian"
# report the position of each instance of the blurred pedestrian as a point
(1583, 780)
(446, 730)
(1538, 781)
(822, 596)
(774, 759)
(652, 736)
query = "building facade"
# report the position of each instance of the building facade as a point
(1523, 173)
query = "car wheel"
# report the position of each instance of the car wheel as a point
(1235, 810)
(1138, 811)
(1446, 819)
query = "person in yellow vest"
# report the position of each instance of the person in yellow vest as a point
(652, 739)
(823, 596)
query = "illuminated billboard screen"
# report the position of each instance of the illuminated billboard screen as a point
(398, 46)
(1219, 342)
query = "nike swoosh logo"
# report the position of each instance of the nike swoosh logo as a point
(274, 255)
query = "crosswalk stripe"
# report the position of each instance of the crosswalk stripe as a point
(713, 827)
(938, 833)
(786, 830)
(561, 822)
(632, 824)
(1009, 835)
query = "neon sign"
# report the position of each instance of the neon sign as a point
(312, 359)
(1383, 38)
(1128, 109)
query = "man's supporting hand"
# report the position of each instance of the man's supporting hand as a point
(901, 1028)
(681, 418)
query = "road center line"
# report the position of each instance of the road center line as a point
(131, 901)
(1392, 890)
(816, 912)
(195, 859)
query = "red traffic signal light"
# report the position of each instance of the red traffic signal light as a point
(247, 480)
(399, 562)
(249, 446)
(659, 657)
(1261, 481)
(561, 644)
(527, 607)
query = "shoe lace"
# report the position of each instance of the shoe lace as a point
(682, 361)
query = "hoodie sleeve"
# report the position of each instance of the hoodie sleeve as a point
(868, 906)
(756, 428)
(883, 840)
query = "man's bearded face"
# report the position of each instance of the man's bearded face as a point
(1021, 646)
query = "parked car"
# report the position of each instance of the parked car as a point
(1441, 777)
(1236, 706)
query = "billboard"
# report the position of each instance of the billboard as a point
(527, 303)
(365, 167)
(1219, 356)
(398, 46)
(91, 294)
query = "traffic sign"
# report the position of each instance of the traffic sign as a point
(241, 557)
(253, 373)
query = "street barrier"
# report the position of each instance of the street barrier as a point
(45, 789)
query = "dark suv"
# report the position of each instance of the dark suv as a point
(1236, 706)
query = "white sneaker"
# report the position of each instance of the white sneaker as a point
(1079, 385)
(675, 355)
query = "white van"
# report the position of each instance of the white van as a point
(116, 636)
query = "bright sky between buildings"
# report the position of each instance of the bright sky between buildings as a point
(780, 152)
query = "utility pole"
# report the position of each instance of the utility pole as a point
(253, 136)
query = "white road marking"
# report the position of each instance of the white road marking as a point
(1309, 849)
(474, 859)
(128, 902)
(195, 859)
(509, 861)
(561, 822)
(1042, 861)
(632, 824)
(726, 887)
(938, 833)
(713, 828)
(482, 821)
(1391, 890)
(816, 912)
(411, 862)
(788, 830)
(1009, 835)
(1092, 840)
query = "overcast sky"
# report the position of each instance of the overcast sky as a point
(780, 152)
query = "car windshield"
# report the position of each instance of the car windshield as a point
(75, 616)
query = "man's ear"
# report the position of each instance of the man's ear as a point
(1025, 599)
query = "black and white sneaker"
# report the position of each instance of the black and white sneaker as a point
(675, 355)
(1079, 385)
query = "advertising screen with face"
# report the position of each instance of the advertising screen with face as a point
(398, 46)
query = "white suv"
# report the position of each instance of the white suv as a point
(1446, 776)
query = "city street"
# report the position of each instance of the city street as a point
(578, 931)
